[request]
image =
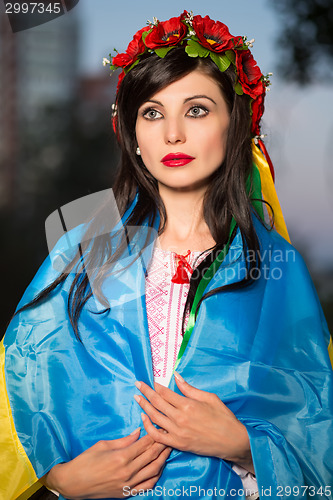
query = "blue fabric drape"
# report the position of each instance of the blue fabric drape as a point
(261, 349)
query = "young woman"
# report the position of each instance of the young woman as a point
(184, 352)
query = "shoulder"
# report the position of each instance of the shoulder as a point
(275, 248)
(284, 262)
(55, 263)
(288, 287)
(54, 309)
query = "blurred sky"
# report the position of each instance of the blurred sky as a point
(299, 122)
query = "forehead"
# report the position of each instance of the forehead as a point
(194, 84)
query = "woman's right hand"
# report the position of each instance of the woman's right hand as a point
(107, 467)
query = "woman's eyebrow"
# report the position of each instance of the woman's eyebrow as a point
(153, 100)
(199, 97)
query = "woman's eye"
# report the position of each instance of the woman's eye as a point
(151, 114)
(197, 111)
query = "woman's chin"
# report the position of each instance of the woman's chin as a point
(184, 187)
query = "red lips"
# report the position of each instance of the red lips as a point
(176, 159)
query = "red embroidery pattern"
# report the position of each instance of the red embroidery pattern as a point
(165, 302)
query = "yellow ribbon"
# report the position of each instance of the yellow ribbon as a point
(268, 191)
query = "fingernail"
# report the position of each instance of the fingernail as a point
(136, 430)
(138, 384)
(137, 398)
(179, 377)
(143, 416)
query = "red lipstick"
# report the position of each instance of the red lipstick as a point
(176, 159)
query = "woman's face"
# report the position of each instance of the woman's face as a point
(181, 132)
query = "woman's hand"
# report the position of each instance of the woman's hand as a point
(197, 422)
(106, 468)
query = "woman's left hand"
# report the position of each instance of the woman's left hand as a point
(197, 422)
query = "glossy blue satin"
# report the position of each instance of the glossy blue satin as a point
(262, 350)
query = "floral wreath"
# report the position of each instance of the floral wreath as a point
(201, 37)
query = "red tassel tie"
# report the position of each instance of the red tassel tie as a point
(181, 275)
(269, 161)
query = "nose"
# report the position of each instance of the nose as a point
(174, 131)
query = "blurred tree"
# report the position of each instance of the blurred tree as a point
(306, 39)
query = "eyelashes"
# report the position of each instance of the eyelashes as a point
(151, 114)
(195, 111)
(198, 111)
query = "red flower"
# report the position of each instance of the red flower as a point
(115, 125)
(249, 74)
(257, 112)
(134, 49)
(166, 33)
(215, 35)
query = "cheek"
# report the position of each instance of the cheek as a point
(138, 135)
(146, 140)
(215, 143)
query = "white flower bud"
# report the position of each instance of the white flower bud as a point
(250, 43)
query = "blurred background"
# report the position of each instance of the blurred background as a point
(57, 143)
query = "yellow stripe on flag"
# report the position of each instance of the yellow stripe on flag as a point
(269, 192)
(16, 473)
(28, 493)
(330, 351)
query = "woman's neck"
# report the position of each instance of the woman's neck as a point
(186, 228)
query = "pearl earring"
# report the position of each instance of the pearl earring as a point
(137, 151)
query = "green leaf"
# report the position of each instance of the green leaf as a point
(132, 66)
(222, 62)
(188, 26)
(194, 49)
(202, 51)
(162, 52)
(231, 55)
(190, 51)
(144, 34)
(113, 67)
(238, 89)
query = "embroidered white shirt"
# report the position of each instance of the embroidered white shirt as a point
(165, 303)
